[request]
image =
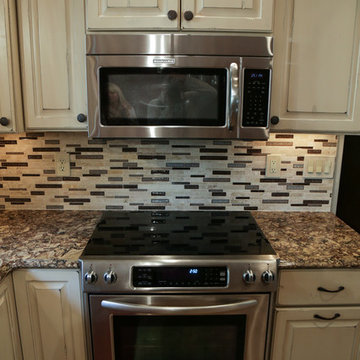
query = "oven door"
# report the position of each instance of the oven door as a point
(147, 96)
(178, 327)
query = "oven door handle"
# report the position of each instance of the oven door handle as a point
(144, 309)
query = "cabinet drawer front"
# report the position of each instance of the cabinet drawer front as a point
(319, 287)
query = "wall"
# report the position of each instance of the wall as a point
(161, 174)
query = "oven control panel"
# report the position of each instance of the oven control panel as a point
(179, 276)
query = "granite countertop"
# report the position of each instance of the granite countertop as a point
(44, 239)
(55, 239)
(310, 239)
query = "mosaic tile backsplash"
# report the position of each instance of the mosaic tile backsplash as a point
(115, 174)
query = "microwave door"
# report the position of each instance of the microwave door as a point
(182, 97)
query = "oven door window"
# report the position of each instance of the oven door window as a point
(163, 96)
(218, 337)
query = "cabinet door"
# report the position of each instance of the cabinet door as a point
(10, 92)
(298, 335)
(52, 36)
(132, 14)
(234, 15)
(10, 348)
(50, 316)
(315, 78)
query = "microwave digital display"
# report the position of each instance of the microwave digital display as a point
(158, 96)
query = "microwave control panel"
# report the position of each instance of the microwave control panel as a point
(179, 276)
(256, 97)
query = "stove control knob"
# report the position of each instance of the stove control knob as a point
(110, 277)
(268, 277)
(90, 277)
(249, 277)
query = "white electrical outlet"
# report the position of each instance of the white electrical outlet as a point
(62, 164)
(273, 165)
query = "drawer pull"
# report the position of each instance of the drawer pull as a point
(316, 316)
(341, 288)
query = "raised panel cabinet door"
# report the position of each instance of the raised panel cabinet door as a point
(132, 14)
(10, 348)
(50, 314)
(10, 92)
(315, 71)
(299, 335)
(52, 44)
(232, 15)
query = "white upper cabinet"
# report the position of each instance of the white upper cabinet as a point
(232, 15)
(316, 59)
(52, 44)
(133, 14)
(11, 119)
(210, 15)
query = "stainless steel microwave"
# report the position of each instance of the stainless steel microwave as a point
(178, 85)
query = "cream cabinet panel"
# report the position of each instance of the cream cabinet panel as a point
(10, 348)
(298, 335)
(10, 92)
(232, 15)
(50, 314)
(319, 287)
(132, 14)
(52, 44)
(316, 59)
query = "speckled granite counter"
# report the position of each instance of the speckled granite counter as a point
(310, 239)
(43, 239)
(55, 239)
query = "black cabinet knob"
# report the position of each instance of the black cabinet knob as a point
(172, 14)
(188, 15)
(4, 121)
(81, 118)
(275, 120)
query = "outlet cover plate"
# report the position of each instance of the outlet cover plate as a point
(62, 164)
(273, 166)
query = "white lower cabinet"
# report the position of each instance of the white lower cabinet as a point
(50, 314)
(299, 335)
(10, 348)
(317, 315)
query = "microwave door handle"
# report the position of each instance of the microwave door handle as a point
(143, 309)
(234, 95)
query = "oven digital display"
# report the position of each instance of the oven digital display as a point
(179, 276)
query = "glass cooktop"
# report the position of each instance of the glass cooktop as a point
(177, 233)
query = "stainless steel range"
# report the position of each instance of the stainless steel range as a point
(178, 285)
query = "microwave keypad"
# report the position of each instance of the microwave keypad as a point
(256, 97)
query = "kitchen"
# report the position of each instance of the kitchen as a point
(172, 174)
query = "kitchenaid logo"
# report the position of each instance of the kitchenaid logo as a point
(164, 61)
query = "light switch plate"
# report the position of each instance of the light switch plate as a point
(320, 167)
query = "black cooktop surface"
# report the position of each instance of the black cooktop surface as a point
(177, 233)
